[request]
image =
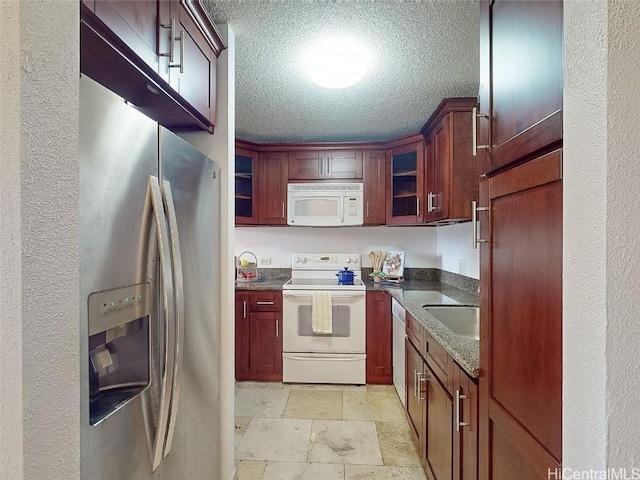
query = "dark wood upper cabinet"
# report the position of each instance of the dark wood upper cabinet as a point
(272, 188)
(405, 179)
(521, 306)
(375, 192)
(305, 165)
(521, 73)
(325, 165)
(160, 55)
(196, 49)
(136, 23)
(343, 164)
(452, 174)
(246, 186)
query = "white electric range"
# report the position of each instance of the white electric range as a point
(336, 357)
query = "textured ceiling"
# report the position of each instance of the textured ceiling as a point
(423, 52)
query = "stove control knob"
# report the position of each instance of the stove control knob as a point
(348, 259)
(354, 259)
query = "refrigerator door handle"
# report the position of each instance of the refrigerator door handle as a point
(178, 285)
(167, 302)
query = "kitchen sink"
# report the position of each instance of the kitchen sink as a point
(464, 321)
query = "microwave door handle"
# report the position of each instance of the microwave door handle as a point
(167, 306)
(174, 244)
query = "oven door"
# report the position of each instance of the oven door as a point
(349, 324)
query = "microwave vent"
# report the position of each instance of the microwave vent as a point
(334, 187)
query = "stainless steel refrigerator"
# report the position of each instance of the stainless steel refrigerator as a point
(149, 296)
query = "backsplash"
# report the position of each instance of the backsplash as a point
(426, 247)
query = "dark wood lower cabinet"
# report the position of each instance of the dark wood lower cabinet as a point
(439, 441)
(258, 336)
(416, 413)
(379, 338)
(465, 426)
(521, 324)
(442, 409)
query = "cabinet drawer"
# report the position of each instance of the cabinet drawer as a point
(416, 334)
(440, 362)
(265, 302)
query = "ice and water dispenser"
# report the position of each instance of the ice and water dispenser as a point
(119, 352)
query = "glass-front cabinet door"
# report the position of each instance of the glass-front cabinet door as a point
(406, 170)
(246, 187)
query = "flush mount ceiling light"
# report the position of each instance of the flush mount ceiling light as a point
(336, 62)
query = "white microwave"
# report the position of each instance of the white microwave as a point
(324, 204)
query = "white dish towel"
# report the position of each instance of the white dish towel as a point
(321, 315)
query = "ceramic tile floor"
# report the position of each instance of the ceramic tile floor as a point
(322, 432)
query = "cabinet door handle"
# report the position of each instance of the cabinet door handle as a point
(431, 204)
(418, 206)
(328, 167)
(459, 396)
(181, 40)
(321, 164)
(282, 209)
(415, 383)
(265, 303)
(474, 131)
(474, 222)
(244, 309)
(277, 328)
(172, 29)
(367, 209)
(422, 377)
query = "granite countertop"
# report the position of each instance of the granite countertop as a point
(412, 294)
(465, 351)
(264, 283)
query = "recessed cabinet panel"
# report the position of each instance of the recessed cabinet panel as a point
(521, 296)
(525, 63)
(136, 23)
(374, 184)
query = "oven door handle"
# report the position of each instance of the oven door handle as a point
(333, 295)
(319, 356)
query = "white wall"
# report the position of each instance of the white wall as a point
(623, 225)
(221, 147)
(455, 244)
(11, 437)
(601, 357)
(278, 243)
(39, 413)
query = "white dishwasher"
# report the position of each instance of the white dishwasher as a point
(398, 313)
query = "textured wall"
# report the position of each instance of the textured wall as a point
(601, 252)
(585, 218)
(623, 225)
(11, 461)
(279, 243)
(43, 187)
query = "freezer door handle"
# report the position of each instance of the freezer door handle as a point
(167, 303)
(178, 296)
